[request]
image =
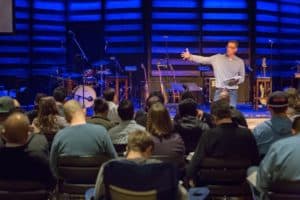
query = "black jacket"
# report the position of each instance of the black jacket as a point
(19, 164)
(190, 128)
(227, 140)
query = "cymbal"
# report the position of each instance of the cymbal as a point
(104, 72)
(101, 62)
(71, 75)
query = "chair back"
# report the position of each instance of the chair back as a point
(287, 190)
(25, 190)
(221, 171)
(80, 169)
(78, 173)
(225, 177)
(123, 194)
(141, 178)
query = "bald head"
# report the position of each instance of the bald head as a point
(72, 110)
(16, 128)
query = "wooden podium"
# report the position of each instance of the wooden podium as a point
(264, 83)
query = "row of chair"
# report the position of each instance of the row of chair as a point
(224, 178)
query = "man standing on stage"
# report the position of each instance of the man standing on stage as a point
(229, 70)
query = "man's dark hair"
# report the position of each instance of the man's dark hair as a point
(296, 124)
(152, 99)
(221, 109)
(109, 94)
(187, 107)
(38, 97)
(157, 94)
(100, 106)
(187, 95)
(59, 94)
(235, 42)
(126, 110)
(279, 110)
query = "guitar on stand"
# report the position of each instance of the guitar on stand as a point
(146, 85)
(162, 86)
(174, 85)
(262, 87)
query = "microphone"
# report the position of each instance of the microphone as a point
(106, 45)
(271, 41)
(71, 33)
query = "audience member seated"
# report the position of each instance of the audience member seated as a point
(293, 96)
(236, 115)
(281, 162)
(226, 141)
(35, 142)
(141, 115)
(16, 162)
(139, 150)
(109, 96)
(100, 114)
(34, 113)
(279, 126)
(188, 125)
(60, 94)
(80, 138)
(6, 108)
(48, 120)
(166, 141)
(119, 133)
(203, 116)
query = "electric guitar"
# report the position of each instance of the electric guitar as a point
(146, 85)
(175, 93)
(262, 89)
(162, 86)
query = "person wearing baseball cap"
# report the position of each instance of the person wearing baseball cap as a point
(6, 107)
(278, 127)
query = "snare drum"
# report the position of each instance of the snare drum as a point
(85, 94)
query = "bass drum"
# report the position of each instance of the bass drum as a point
(85, 95)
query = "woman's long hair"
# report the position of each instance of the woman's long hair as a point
(47, 114)
(159, 122)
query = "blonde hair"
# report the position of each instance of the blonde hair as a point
(159, 121)
(72, 108)
(139, 141)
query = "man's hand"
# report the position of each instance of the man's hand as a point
(233, 82)
(186, 55)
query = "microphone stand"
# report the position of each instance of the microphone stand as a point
(271, 57)
(85, 60)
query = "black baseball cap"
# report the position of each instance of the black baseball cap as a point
(6, 104)
(278, 99)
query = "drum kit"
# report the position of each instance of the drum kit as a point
(85, 86)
